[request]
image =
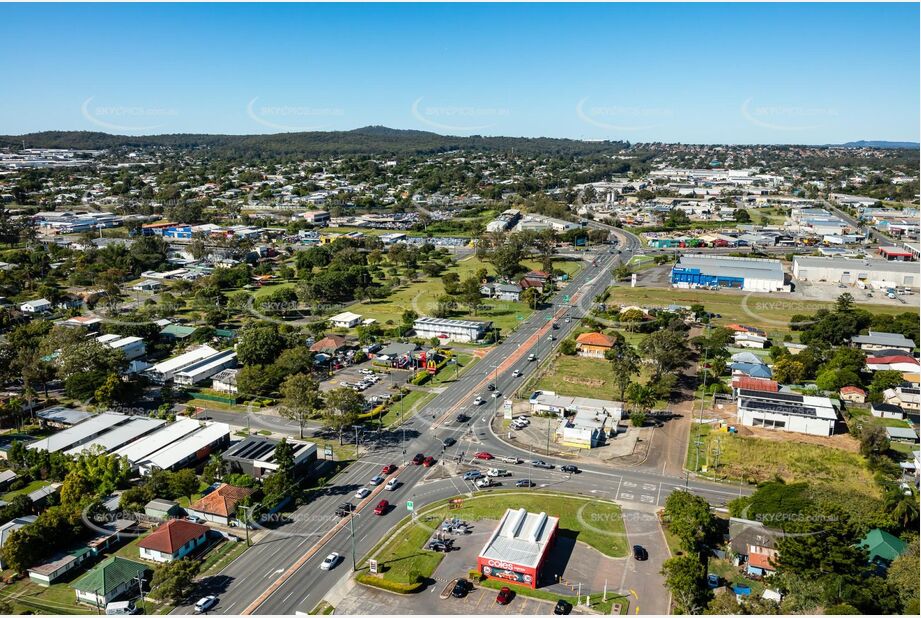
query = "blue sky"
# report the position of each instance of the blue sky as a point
(695, 73)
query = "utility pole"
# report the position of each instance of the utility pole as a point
(140, 578)
(716, 455)
(352, 535)
(548, 434)
(356, 428)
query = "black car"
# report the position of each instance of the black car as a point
(490, 387)
(524, 483)
(449, 442)
(462, 418)
(344, 509)
(439, 546)
(562, 607)
(640, 553)
(460, 589)
(571, 469)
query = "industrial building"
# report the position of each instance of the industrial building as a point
(786, 411)
(195, 365)
(187, 450)
(461, 331)
(255, 455)
(81, 433)
(518, 547)
(118, 436)
(714, 271)
(861, 272)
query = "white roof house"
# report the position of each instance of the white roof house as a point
(346, 319)
(36, 306)
(131, 347)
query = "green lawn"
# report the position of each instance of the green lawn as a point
(575, 376)
(28, 597)
(403, 559)
(33, 486)
(447, 375)
(414, 399)
(760, 459)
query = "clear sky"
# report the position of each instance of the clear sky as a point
(694, 73)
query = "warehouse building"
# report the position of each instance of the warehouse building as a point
(714, 271)
(205, 368)
(875, 272)
(141, 449)
(786, 411)
(518, 547)
(188, 450)
(461, 331)
(124, 433)
(81, 433)
(193, 364)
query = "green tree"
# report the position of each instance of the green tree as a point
(301, 399)
(787, 370)
(625, 364)
(874, 442)
(343, 405)
(667, 350)
(689, 519)
(184, 483)
(174, 581)
(259, 345)
(685, 578)
(638, 419)
(903, 575)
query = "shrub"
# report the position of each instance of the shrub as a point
(386, 584)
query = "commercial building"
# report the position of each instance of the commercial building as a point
(786, 411)
(861, 272)
(81, 433)
(255, 455)
(518, 547)
(188, 450)
(713, 271)
(60, 416)
(203, 369)
(548, 401)
(118, 436)
(141, 449)
(190, 364)
(225, 381)
(461, 331)
(584, 429)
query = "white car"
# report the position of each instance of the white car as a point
(531, 357)
(478, 401)
(516, 373)
(330, 561)
(496, 394)
(205, 603)
(484, 482)
(511, 460)
(392, 484)
(362, 493)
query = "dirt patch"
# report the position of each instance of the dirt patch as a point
(584, 381)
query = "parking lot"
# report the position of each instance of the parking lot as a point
(351, 376)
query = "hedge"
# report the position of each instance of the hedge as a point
(385, 584)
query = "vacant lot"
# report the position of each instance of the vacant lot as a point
(761, 459)
(575, 376)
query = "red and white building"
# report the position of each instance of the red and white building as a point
(518, 547)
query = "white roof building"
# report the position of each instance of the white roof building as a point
(346, 319)
(193, 447)
(166, 370)
(144, 447)
(122, 434)
(79, 433)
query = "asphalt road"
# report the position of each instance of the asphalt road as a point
(280, 574)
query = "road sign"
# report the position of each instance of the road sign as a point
(409, 505)
(372, 565)
(549, 317)
(327, 451)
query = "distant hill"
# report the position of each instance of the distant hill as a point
(881, 144)
(373, 140)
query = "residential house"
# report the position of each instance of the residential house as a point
(906, 397)
(8, 528)
(901, 362)
(501, 291)
(147, 285)
(7, 477)
(594, 345)
(750, 340)
(220, 506)
(108, 580)
(534, 279)
(173, 540)
(754, 545)
(346, 319)
(887, 410)
(852, 394)
(330, 344)
(874, 341)
(902, 434)
(58, 565)
(162, 509)
(882, 547)
(754, 384)
(40, 305)
(225, 381)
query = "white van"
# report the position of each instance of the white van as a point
(121, 608)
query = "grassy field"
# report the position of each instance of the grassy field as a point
(766, 311)
(415, 399)
(33, 486)
(447, 375)
(760, 459)
(575, 376)
(403, 560)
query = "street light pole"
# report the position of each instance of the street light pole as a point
(352, 534)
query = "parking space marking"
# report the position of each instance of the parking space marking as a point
(629, 484)
(649, 499)
(649, 486)
(626, 496)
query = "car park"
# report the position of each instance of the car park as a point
(392, 484)
(540, 463)
(640, 553)
(418, 459)
(330, 561)
(376, 480)
(505, 596)
(205, 603)
(460, 589)
(381, 508)
(524, 483)
(388, 469)
(362, 493)
(449, 442)
(428, 462)
(484, 455)
(571, 469)
(472, 475)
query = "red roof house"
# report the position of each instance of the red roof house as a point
(220, 505)
(755, 384)
(173, 540)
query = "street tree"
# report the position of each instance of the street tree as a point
(301, 399)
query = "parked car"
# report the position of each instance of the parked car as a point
(392, 484)
(438, 546)
(640, 553)
(505, 596)
(381, 508)
(571, 469)
(472, 475)
(418, 459)
(449, 442)
(562, 608)
(428, 462)
(525, 483)
(195, 519)
(484, 455)
(330, 561)
(713, 580)
(376, 480)
(460, 588)
(388, 469)
(540, 463)
(205, 603)
(362, 493)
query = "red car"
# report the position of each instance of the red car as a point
(418, 459)
(505, 596)
(428, 461)
(484, 455)
(388, 469)
(381, 507)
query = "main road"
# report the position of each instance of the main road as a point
(280, 574)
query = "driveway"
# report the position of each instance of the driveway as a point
(642, 581)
